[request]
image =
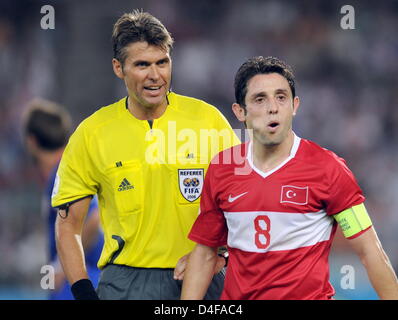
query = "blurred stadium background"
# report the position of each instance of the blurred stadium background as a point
(347, 82)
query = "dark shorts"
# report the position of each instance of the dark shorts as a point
(119, 282)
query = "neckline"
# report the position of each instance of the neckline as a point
(293, 151)
(169, 104)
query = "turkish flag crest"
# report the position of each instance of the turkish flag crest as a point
(293, 194)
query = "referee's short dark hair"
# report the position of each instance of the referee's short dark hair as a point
(260, 65)
(135, 27)
(49, 124)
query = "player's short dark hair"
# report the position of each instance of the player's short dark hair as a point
(49, 123)
(135, 27)
(260, 65)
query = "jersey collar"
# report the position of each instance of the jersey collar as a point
(293, 151)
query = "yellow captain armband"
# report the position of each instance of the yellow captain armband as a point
(353, 220)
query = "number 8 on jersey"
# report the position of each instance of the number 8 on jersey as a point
(262, 225)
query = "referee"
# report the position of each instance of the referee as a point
(145, 156)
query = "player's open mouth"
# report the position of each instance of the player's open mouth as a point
(273, 124)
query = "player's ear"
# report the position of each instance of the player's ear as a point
(117, 68)
(296, 104)
(239, 112)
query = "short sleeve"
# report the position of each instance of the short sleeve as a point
(210, 227)
(344, 191)
(74, 179)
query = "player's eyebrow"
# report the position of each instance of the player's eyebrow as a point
(262, 94)
(258, 94)
(284, 91)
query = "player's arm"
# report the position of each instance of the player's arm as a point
(179, 270)
(199, 272)
(357, 228)
(378, 266)
(68, 230)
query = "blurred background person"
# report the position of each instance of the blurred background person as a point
(47, 127)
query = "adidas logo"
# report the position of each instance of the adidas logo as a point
(125, 185)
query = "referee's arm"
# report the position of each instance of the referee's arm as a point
(68, 230)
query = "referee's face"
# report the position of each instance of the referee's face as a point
(147, 75)
(270, 108)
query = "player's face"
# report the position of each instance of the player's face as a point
(146, 73)
(270, 108)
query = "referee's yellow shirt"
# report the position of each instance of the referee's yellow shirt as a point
(148, 180)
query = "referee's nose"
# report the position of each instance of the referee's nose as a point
(153, 73)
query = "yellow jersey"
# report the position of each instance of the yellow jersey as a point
(148, 178)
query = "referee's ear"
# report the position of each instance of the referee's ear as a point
(117, 68)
